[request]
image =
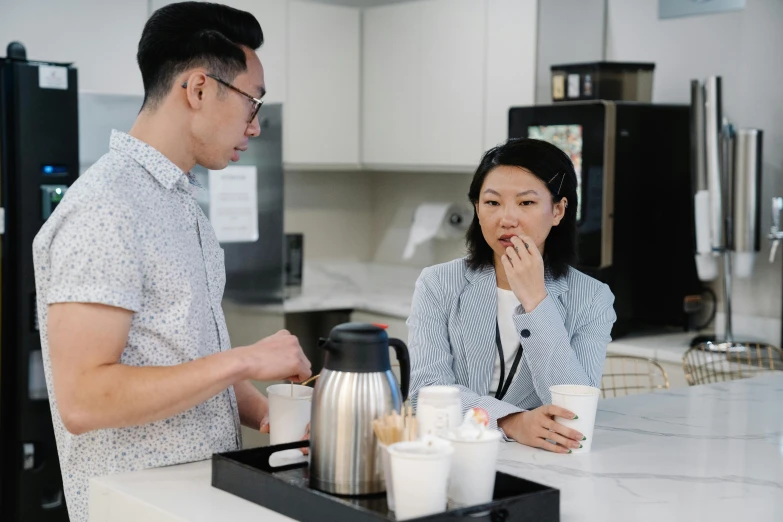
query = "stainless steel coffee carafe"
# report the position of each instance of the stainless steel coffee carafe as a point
(356, 386)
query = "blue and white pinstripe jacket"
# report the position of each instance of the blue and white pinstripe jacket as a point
(451, 336)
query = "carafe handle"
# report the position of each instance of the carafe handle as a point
(405, 365)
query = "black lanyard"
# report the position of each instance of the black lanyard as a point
(504, 384)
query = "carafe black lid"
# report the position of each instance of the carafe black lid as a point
(357, 347)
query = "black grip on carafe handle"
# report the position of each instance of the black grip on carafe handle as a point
(405, 365)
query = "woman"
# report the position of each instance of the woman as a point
(513, 318)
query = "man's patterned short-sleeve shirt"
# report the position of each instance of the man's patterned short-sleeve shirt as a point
(129, 233)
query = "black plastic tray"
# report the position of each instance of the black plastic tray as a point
(248, 474)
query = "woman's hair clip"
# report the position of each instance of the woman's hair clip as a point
(561, 180)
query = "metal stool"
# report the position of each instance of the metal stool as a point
(716, 362)
(628, 374)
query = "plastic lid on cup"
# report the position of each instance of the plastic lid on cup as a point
(575, 389)
(430, 449)
(439, 396)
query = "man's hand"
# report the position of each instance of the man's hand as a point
(537, 428)
(278, 357)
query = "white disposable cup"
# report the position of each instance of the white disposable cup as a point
(438, 409)
(420, 476)
(472, 477)
(387, 475)
(289, 413)
(583, 402)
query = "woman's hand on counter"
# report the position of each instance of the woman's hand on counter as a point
(524, 269)
(537, 428)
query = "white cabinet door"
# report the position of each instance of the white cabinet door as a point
(452, 83)
(102, 48)
(272, 15)
(511, 63)
(391, 85)
(423, 85)
(321, 114)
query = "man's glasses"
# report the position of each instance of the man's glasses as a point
(257, 103)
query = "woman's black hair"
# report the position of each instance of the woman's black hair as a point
(555, 169)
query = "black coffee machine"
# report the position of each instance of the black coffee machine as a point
(635, 206)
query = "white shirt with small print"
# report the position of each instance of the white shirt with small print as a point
(130, 234)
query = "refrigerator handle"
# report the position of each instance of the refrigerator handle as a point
(775, 234)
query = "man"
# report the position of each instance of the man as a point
(130, 275)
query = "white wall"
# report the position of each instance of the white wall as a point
(569, 31)
(333, 210)
(99, 36)
(744, 48)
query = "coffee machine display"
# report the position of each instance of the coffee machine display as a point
(635, 215)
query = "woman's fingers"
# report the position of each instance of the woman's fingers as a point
(522, 246)
(507, 266)
(560, 439)
(551, 445)
(552, 410)
(531, 248)
(513, 254)
(556, 427)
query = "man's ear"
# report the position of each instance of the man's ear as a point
(194, 85)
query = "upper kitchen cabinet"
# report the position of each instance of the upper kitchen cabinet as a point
(438, 79)
(321, 114)
(510, 64)
(273, 17)
(422, 85)
(451, 117)
(391, 85)
(103, 50)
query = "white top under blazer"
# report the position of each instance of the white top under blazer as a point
(451, 336)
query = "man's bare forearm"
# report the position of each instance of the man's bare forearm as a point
(253, 406)
(117, 395)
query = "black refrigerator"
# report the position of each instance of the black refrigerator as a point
(39, 159)
(635, 215)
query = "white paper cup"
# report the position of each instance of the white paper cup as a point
(472, 477)
(438, 409)
(420, 475)
(387, 475)
(288, 414)
(583, 402)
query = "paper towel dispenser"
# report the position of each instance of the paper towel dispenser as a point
(437, 220)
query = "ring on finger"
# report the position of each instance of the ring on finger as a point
(556, 444)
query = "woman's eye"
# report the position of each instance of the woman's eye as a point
(491, 202)
(526, 203)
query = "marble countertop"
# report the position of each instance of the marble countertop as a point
(707, 453)
(368, 287)
(668, 347)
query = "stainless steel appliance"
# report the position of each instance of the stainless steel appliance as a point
(254, 269)
(727, 166)
(635, 215)
(356, 386)
(39, 160)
